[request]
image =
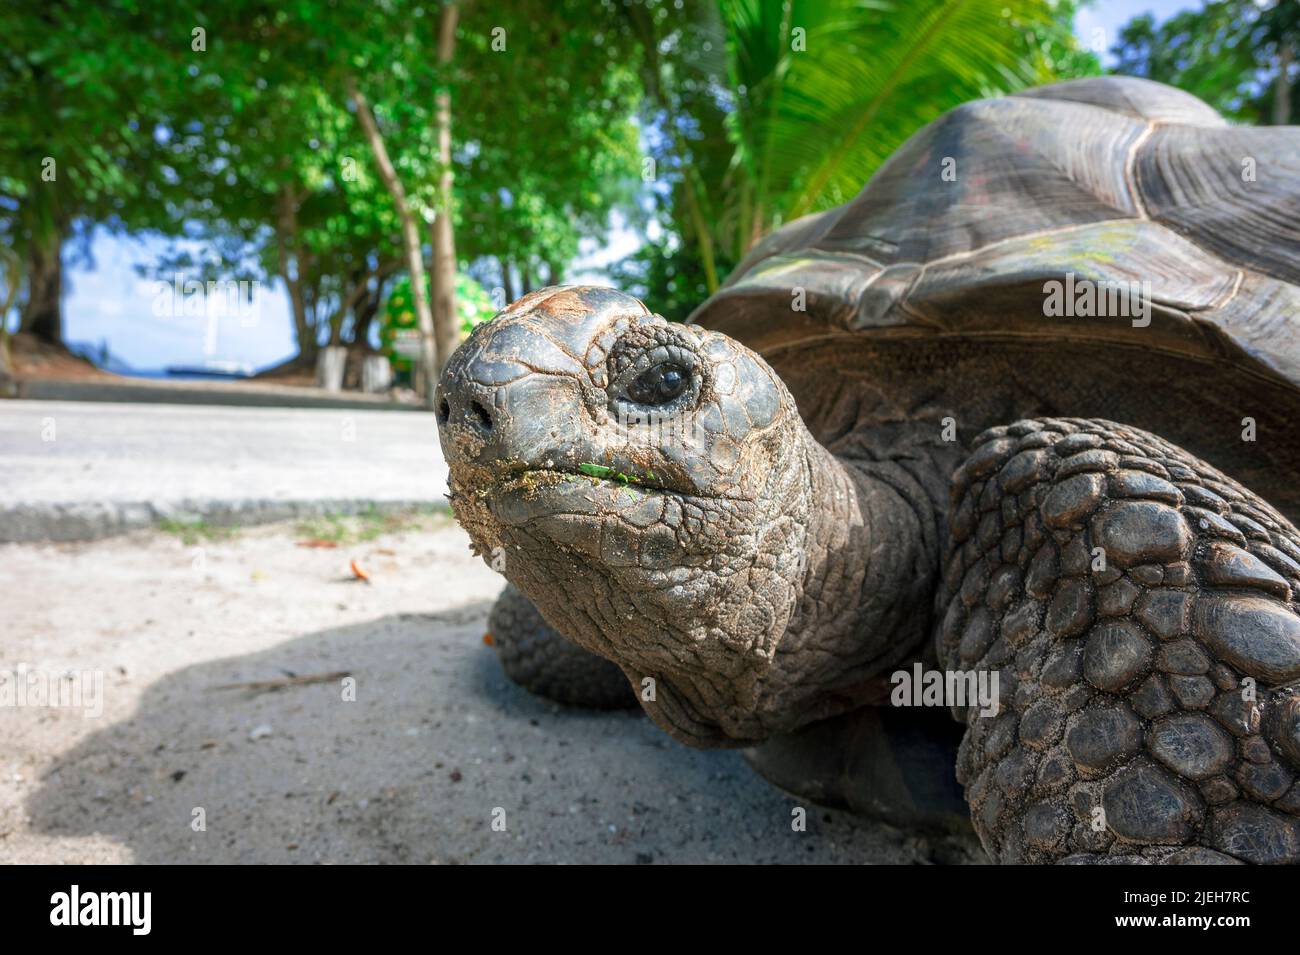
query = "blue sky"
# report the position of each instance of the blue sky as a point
(107, 301)
(1109, 15)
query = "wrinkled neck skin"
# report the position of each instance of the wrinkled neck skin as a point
(859, 605)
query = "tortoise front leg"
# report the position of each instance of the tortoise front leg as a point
(542, 661)
(1140, 609)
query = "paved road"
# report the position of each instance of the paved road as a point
(74, 470)
(172, 391)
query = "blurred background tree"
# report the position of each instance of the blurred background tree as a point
(763, 111)
(237, 133)
(83, 88)
(1237, 55)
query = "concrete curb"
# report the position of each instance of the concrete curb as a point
(93, 520)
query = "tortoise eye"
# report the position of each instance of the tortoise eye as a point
(660, 385)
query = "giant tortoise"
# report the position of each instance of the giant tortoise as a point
(1012, 436)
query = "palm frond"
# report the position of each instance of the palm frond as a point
(828, 89)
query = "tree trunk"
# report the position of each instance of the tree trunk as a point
(8, 388)
(42, 315)
(376, 374)
(364, 317)
(330, 366)
(287, 241)
(427, 380)
(445, 320)
(348, 302)
(11, 272)
(1282, 86)
(507, 280)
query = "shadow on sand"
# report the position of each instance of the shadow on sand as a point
(416, 768)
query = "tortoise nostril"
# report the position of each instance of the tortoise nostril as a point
(444, 411)
(483, 416)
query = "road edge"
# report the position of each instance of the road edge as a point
(94, 520)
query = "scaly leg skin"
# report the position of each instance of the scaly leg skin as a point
(541, 661)
(1140, 608)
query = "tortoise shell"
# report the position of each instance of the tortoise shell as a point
(958, 279)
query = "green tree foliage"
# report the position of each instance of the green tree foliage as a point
(544, 146)
(1238, 57)
(770, 110)
(84, 87)
(545, 97)
(229, 126)
(280, 186)
(239, 139)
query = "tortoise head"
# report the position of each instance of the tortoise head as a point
(646, 484)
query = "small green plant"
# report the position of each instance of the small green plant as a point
(191, 532)
(368, 524)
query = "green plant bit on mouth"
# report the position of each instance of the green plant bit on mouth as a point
(609, 474)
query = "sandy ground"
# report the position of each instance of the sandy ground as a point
(436, 745)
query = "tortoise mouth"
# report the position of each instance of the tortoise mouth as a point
(615, 523)
(605, 524)
(586, 475)
(524, 496)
